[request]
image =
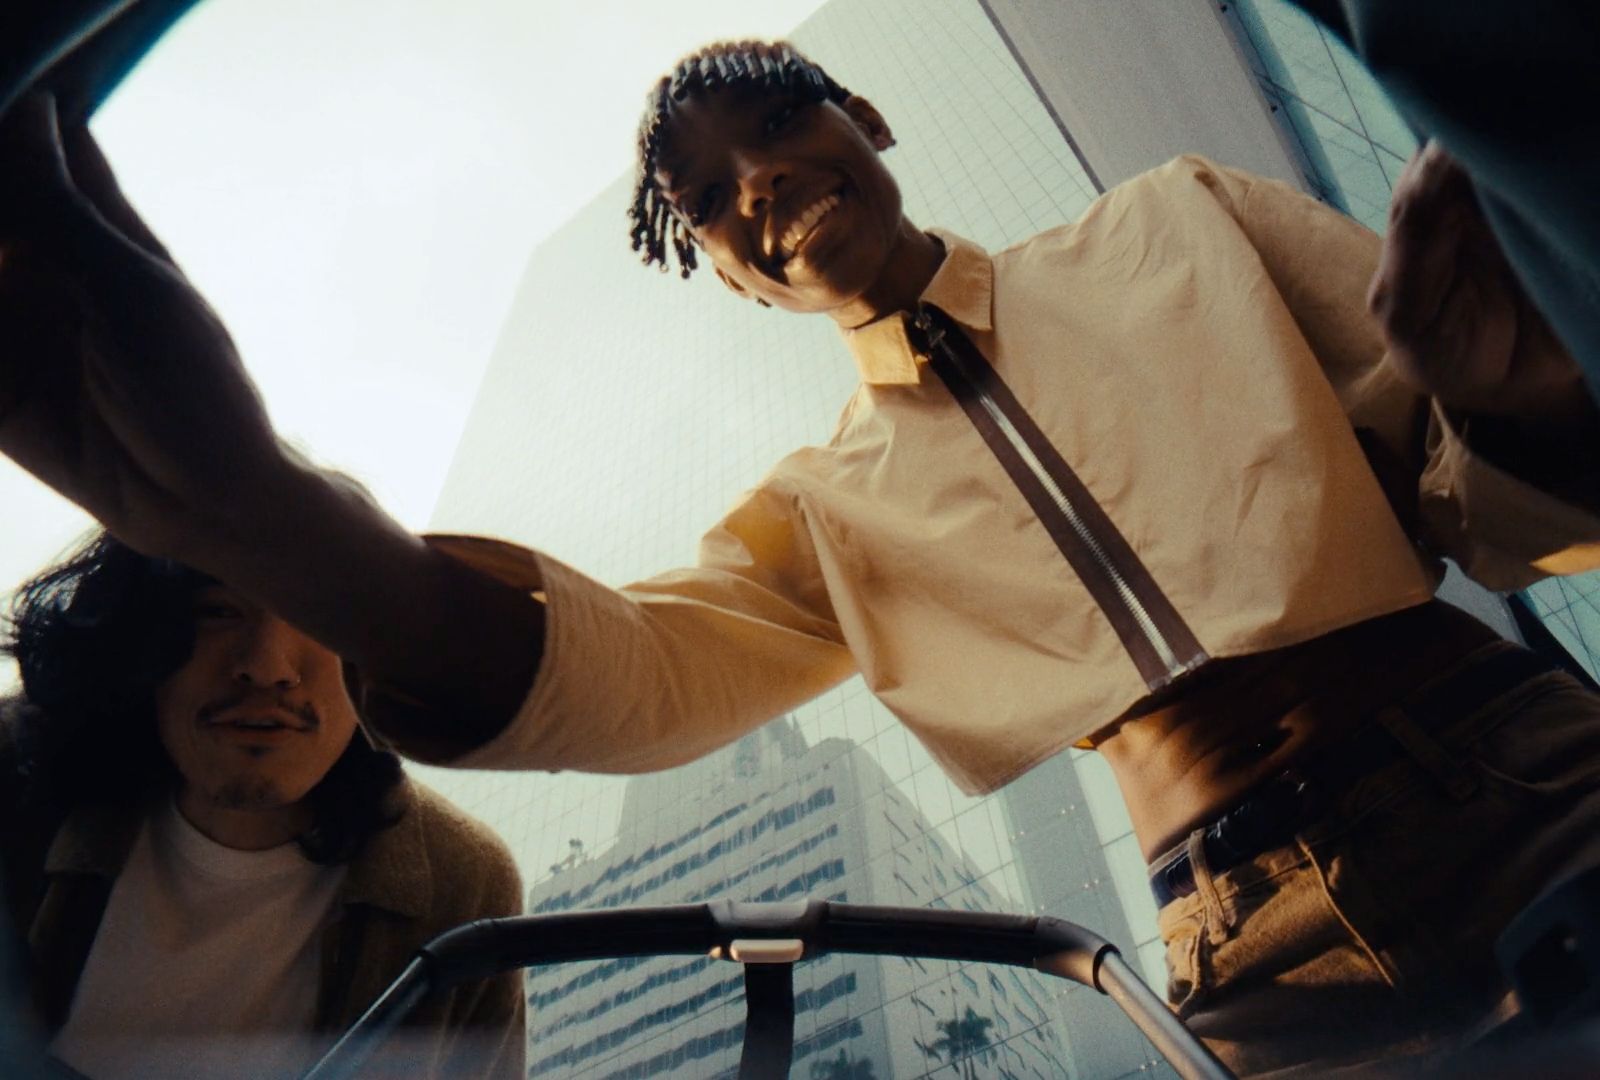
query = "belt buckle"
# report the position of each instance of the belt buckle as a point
(1268, 819)
(1173, 881)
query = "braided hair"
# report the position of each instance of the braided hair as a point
(775, 68)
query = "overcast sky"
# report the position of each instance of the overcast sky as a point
(357, 185)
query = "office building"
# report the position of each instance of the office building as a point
(773, 819)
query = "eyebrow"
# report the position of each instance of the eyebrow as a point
(744, 96)
(671, 184)
(670, 167)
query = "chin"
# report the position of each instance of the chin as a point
(251, 793)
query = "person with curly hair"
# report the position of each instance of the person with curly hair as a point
(215, 868)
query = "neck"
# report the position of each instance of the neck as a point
(913, 260)
(243, 830)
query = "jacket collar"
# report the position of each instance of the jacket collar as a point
(93, 840)
(962, 287)
(391, 872)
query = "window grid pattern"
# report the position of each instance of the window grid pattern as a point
(1354, 143)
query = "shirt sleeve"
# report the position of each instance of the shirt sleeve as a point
(664, 671)
(1504, 531)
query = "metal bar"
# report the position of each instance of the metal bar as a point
(346, 1057)
(1187, 1055)
(1050, 945)
(489, 946)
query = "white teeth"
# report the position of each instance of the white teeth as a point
(803, 225)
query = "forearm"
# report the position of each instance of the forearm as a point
(461, 646)
(239, 505)
(130, 399)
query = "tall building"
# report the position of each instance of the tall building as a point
(625, 410)
(773, 819)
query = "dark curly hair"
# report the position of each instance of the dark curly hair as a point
(775, 68)
(94, 636)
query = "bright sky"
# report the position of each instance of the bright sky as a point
(356, 187)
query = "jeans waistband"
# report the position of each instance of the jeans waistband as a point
(1274, 812)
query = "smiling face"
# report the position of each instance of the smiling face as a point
(257, 715)
(787, 196)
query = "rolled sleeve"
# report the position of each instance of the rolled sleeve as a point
(666, 670)
(1503, 531)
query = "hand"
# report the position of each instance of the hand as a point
(1458, 324)
(119, 387)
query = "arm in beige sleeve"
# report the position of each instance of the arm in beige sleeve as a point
(667, 670)
(1507, 515)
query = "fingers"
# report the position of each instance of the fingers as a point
(33, 169)
(1443, 294)
(48, 175)
(94, 178)
(1429, 216)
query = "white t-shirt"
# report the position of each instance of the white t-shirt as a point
(206, 963)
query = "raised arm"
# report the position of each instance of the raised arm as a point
(121, 389)
(1461, 328)
(1469, 410)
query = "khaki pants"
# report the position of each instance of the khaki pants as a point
(1369, 940)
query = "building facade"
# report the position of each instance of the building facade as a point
(774, 819)
(625, 410)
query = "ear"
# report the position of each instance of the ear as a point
(871, 122)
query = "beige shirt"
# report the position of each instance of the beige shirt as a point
(1198, 350)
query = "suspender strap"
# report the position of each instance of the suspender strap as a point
(769, 1022)
(1157, 639)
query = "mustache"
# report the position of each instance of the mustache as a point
(305, 710)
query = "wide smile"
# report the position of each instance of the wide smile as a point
(805, 224)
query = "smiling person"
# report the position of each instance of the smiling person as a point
(1153, 482)
(215, 869)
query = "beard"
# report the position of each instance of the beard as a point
(248, 793)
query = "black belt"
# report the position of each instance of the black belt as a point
(1272, 814)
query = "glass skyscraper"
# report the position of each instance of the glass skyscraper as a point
(624, 410)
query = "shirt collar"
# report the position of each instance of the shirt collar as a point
(962, 287)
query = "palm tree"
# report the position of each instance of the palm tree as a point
(841, 1068)
(963, 1042)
